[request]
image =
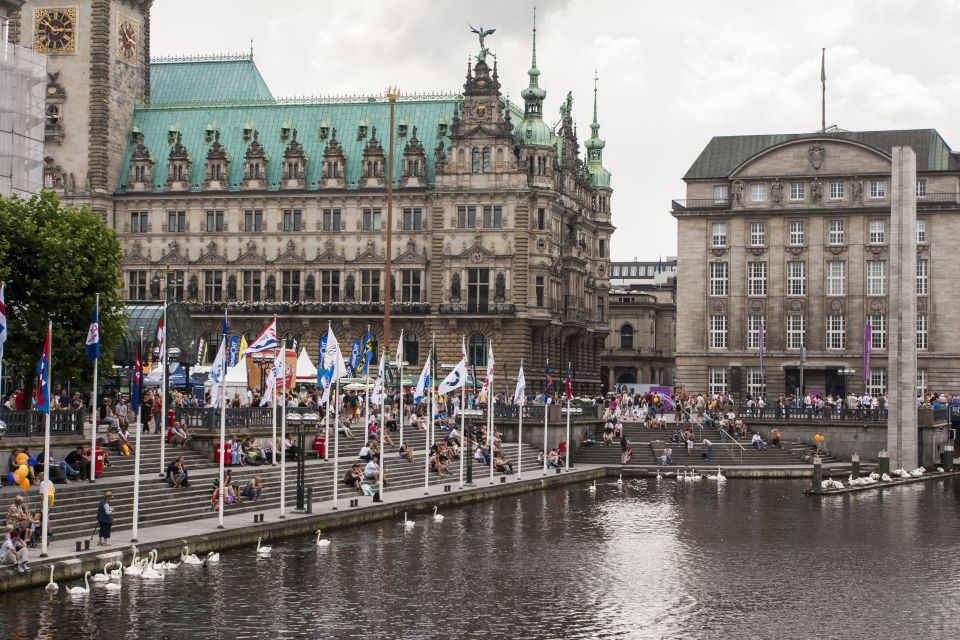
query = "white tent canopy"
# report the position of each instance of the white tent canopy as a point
(306, 371)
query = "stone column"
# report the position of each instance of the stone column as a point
(902, 312)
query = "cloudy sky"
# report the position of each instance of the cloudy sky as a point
(672, 75)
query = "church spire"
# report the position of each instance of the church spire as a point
(595, 143)
(533, 95)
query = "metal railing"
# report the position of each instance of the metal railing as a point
(208, 418)
(701, 203)
(492, 308)
(319, 308)
(24, 424)
(510, 411)
(952, 198)
(724, 432)
(812, 413)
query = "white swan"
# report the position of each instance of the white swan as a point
(117, 574)
(886, 478)
(52, 587)
(112, 586)
(134, 568)
(81, 591)
(620, 480)
(593, 487)
(189, 558)
(102, 577)
(322, 542)
(407, 523)
(153, 574)
(658, 474)
(212, 558)
(437, 517)
(939, 469)
(263, 551)
(168, 565)
(696, 476)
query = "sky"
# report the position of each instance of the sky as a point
(671, 74)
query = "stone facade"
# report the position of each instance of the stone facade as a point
(794, 232)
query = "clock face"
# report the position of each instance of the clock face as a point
(128, 33)
(55, 31)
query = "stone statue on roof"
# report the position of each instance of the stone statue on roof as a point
(567, 107)
(482, 34)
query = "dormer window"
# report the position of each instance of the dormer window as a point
(361, 132)
(333, 169)
(247, 133)
(413, 167)
(324, 132)
(171, 135)
(208, 135)
(402, 131)
(441, 130)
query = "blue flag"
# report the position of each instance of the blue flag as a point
(41, 393)
(136, 383)
(92, 345)
(234, 350)
(355, 356)
(323, 374)
(368, 352)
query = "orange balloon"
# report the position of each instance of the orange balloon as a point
(25, 484)
(22, 458)
(17, 476)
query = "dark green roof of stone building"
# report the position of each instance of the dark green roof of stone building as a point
(207, 79)
(723, 154)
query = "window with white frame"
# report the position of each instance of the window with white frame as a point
(877, 233)
(797, 232)
(836, 332)
(921, 230)
(877, 384)
(797, 190)
(922, 332)
(878, 188)
(755, 382)
(718, 332)
(754, 324)
(796, 334)
(796, 278)
(837, 190)
(716, 380)
(921, 188)
(876, 278)
(758, 234)
(836, 278)
(758, 192)
(719, 234)
(921, 382)
(878, 330)
(923, 276)
(756, 278)
(721, 193)
(837, 228)
(719, 278)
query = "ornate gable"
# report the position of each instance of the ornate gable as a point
(290, 256)
(210, 255)
(329, 253)
(172, 255)
(410, 255)
(370, 255)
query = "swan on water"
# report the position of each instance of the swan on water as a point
(658, 474)
(593, 487)
(620, 480)
(886, 478)
(81, 591)
(262, 550)
(52, 587)
(438, 517)
(212, 558)
(102, 577)
(112, 586)
(407, 523)
(189, 558)
(323, 542)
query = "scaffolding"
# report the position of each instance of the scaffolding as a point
(23, 79)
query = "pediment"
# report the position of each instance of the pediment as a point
(410, 257)
(477, 253)
(289, 257)
(250, 257)
(369, 256)
(173, 256)
(814, 156)
(329, 253)
(210, 255)
(136, 259)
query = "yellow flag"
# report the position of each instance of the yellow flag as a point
(243, 344)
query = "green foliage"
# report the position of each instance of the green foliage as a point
(54, 260)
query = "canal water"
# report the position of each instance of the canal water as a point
(744, 559)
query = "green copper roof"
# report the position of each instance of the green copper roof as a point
(207, 79)
(723, 154)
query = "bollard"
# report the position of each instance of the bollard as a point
(817, 475)
(446, 488)
(503, 479)
(354, 502)
(883, 459)
(309, 499)
(948, 458)
(376, 497)
(79, 545)
(855, 466)
(86, 545)
(559, 470)
(256, 518)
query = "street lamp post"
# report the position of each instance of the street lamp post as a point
(302, 423)
(392, 94)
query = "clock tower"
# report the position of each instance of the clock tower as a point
(98, 61)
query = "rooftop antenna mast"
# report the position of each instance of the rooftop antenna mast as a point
(823, 90)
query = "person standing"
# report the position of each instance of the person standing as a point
(105, 518)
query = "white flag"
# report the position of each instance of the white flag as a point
(276, 371)
(455, 379)
(423, 383)
(376, 396)
(519, 395)
(333, 362)
(400, 350)
(216, 373)
(488, 383)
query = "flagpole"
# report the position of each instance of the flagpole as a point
(44, 529)
(136, 454)
(463, 413)
(223, 421)
(336, 434)
(400, 364)
(326, 421)
(366, 390)
(273, 419)
(426, 452)
(569, 392)
(523, 401)
(491, 369)
(93, 405)
(383, 422)
(546, 406)
(283, 437)
(163, 397)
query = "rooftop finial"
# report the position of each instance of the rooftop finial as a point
(595, 78)
(533, 95)
(251, 48)
(533, 63)
(595, 144)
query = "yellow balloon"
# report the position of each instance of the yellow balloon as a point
(24, 484)
(50, 496)
(22, 458)
(24, 469)
(17, 476)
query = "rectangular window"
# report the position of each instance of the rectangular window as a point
(410, 285)
(921, 230)
(137, 289)
(836, 190)
(214, 222)
(836, 332)
(370, 285)
(601, 248)
(212, 286)
(878, 188)
(753, 331)
(541, 218)
(755, 382)
(371, 219)
(796, 332)
(539, 289)
(466, 216)
(719, 278)
(716, 380)
(756, 278)
(251, 285)
(615, 271)
(878, 330)
(139, 221)
(797, 190)
(836, 278)
(758, 192)
(176, 221)
(331, 219)
(796, 278)
(292, 220)
(492, 217)
(797, 232)
(877, 384)
(876, 278)
(412, 219)
(923, 276)
(921, 382)
(478, 290)
(721, 193)
(600, 309)
(718, 332)
(291, 286)
(253, 220)
(921, 188)
(922, 332)
(877, 235)
(719, 234)
(329, 286)
(836, 232)
(758, 234)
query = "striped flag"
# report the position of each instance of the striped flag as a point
(266, 341)
(548, 379)
(41, 394)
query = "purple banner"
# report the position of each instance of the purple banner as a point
(867, 344)
(762, 340)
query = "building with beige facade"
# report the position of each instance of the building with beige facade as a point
(228, 198)
(789, 237)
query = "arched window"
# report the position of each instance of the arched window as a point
(292, 340)
(477, 350)
(411, 349)
(475, 160)
(626, 337)
(211, 342)
(53, 116)
(486, 160)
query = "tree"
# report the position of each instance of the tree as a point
(54, 260)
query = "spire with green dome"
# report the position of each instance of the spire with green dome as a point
(595, 145)
(532, 129)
